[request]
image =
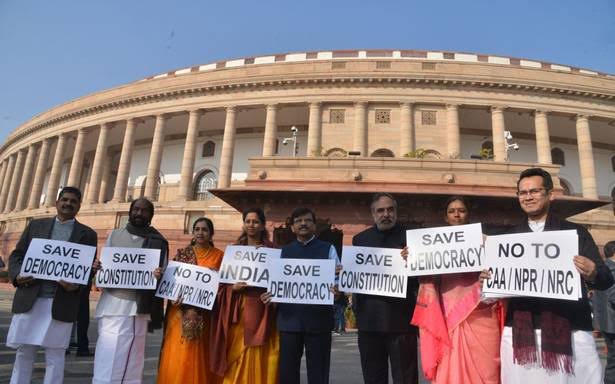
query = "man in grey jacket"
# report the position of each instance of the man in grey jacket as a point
(43, 310)
(603, 303)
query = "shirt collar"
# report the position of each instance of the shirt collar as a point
(71, 221)
(307, 242)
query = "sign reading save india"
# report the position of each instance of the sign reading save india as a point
(538, 264)
(247, 264)
(373, 271)
(128, 268)
(58, 260)
(441, 250)
(195, 285)
(301, 281)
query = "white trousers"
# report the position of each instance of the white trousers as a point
(120, 349)
(24, 363)
(585, 362)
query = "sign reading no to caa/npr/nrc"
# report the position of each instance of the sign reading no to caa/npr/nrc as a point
(441, 250)
(301, 281)
(128, 268)
(373, 271)
(247, 264)
(58, 260)
(195, 285)
(538, 264)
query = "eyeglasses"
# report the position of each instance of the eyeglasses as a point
(533, 192)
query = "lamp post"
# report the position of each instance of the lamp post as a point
(292, 139)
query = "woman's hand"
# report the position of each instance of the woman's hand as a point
(404, 255)
(484, 275)
(96, 266)
(266, 298)
(157, 273)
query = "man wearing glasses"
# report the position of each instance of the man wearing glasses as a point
(549, 340)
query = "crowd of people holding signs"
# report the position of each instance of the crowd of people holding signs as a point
(511, 308)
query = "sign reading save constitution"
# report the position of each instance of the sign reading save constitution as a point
(373, 271)
(247, 264)
(58, 260)
(441, 250)
(538, 264)
(128, 268)
(301, 281)
(195, 285)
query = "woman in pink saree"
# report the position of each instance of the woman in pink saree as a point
(459, 333)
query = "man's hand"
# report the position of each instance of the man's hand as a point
(484, 275)
(335, 291)
(96, 266)
(239, 286)
(586, 268)
(157, 273)
(266, 297)
(68, 287)
(23, 281)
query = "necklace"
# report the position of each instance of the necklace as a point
(204, 255)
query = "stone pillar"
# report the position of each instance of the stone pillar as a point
(228, 149)
(123, 170)
(76, 165)
(407, 139)
(452, 131)
(271, 130)
(98, 164)
(314, 141)
(56, 170)
(586, 158)
(3, 166)
(543, 143)
(39, 175)
(8, 177)
(26, 180)
(15, 181)
(187, 169)
(497, 128)
(155, 157)
(360, 128)
(104, 181)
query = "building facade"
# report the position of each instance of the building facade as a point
(213, 138)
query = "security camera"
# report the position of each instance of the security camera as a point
(507, 135)
(285, 142)
(294, 129)
(515, 146)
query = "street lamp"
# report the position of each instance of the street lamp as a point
(507, 137)
(292, 139)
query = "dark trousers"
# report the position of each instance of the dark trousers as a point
(317, 356)
(609, 371)
(378, 348)
(83, 319)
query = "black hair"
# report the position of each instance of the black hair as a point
(609, 249)
(210, 226)
(300, 212)
(74, 190)
(463, 200)
(243, 238)
(149, 204)
(380, 195)
(547, 181)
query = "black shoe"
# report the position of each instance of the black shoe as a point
(84, 353)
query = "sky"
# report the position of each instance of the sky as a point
(54, 51)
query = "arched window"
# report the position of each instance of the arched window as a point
(558, 157)
(205, 181)
(613, 162)
(565, 186)
(336, 152)
(383, 152)
(209, 149)
(432, 154)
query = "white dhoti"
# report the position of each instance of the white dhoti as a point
(586, 364)
(37, 328)
(120, 349)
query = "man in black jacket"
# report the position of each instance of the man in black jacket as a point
(549, 340)
(385, 333)
(44, 310)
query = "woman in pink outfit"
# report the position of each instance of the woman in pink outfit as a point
(459, 333)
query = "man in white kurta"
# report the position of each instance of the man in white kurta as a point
(44, 311)
(123, 314)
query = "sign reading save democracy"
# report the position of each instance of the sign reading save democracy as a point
(58, 260)
(301, 281)
(441, 250)
(538, 264)
(247, 264)
(373, 271)
(128, 268)
(195, 285)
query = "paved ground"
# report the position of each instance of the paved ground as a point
(345, 364)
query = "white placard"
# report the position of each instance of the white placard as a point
(195, 285)
(247, 264)
(301, 281)
(58, 260)
(373, 271)
(538, 264)
(128, 268)
(442, 250)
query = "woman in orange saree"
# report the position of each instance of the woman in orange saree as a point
(184, 357)
(459, 334)
(245, 343)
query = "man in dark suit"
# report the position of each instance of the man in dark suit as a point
(603, 304)
(43, 310)
(385, 332)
